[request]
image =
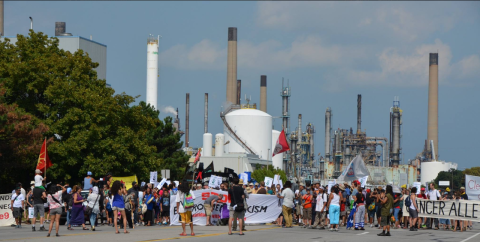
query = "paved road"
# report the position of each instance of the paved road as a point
(254, 233)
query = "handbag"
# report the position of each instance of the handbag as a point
(88, 209)
(240, 207)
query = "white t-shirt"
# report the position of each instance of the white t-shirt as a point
(288, 197)
(321, 199)
(17, 200)
(434, 194)
(38, 180)
(180, 198)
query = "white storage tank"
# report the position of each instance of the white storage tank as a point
(219, 141)
(207, 144)
(431, 169)
(277, 160)
(254, 127)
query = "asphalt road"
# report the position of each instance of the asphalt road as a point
(219, 234)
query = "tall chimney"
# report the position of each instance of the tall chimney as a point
(300, 127)
(263, 93)
(2, 25)
(328, 133)
(187, 123)
(232, 65)
(206, 113)
(152, 70)
(432, 129)
(239, 91)
(359, 113)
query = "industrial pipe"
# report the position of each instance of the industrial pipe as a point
(263, 93)
(239, 91)
(206, 114)
(2, 25)
(384, 146)
(232, 65)
(359, 113)
(187, 122)
(328, 133)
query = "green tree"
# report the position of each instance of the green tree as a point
(474, 171)
(261, 172)
(458, 178)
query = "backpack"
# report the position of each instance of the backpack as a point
(188, 201)
(371, 207)
(408, 201)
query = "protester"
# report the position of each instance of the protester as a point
(66, 198)
(118, 205)
(237, 206)
(386, 198)
(166, 207)
(397, 206)
(54, 200)
(235, 218)
(320, 209)
(149, 201)
(334, 207)
(17, 205)
(370, 205)
(93, 202)
(135, 190)
(422, 221)
(262, 189)
(299, 208)
(360, 211)
(464, 196)
(128, 198)
(433, 194)
(39, 198)
(307, 208)
(255, 190)
(88, 181)
(445, 222)
(288, 196)
(184, 200)
(209, 206)
(77, 216)
(344, 204)
(29, 202)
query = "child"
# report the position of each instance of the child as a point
(166, 207)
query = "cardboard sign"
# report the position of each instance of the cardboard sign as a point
(418, 185)
(268, 181)
(153, 177)
(212, 182)
(276, 180)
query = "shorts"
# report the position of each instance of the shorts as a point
(46, 209)
(307, 213)
(413, 213)
(166, 212)
(56, 211)
(186, 217)
(385, 221)
(208, 209)
(118, 209)
(371, 213)
(343, 213)
(110, 214)
(17, 212)
(38, 209)
(298, 209)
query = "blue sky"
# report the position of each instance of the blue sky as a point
(330, 52)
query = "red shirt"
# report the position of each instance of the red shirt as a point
(424, 196)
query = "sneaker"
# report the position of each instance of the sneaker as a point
(424, 225)
(33, 228)
(381, 234)
(42, 229)
(321, 228)
(371, 225)
(336, 229)
(311, 227)
(331, 229)
(388, 234)
(357, 229)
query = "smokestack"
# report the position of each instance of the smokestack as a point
(359, 113)
(328, 133)
(239, 91)
(206, 113)
(187, 123)
(232, 65)
(60, 28)
(432, 129)
(300, 127)
(263, 93)
(152, 71)
(2, 25)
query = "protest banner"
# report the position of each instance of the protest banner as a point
(127, 180)
(447, 209)
(6, 216)
(472, 187)
(163, 181)
(261, 208)
(268, 181)
(153, 177)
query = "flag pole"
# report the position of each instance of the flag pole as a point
(45, 162)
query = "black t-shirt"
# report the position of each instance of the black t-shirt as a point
(368, 200)
(360, 198)
(464, 196)
(37, 195)
(66, 197)
(236, 194)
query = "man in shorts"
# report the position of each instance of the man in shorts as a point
(237, 196)
(298, 203)
(209, 204)
(17, 206)
(39, 198)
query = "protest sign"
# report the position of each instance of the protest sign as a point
(447, 209)
(276, 180)
(330, 185)
(213, 181)
(218, 181)
(127, 180)
(31, 212)
(153, 176)
(472, 187)
(268, 181)
(244, 177)
(418, 185)
(261, 208)
(6, 216)
(363, 181)
(160, 185)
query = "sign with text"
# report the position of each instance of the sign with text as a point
(472, 187)
(261, 208)
(447, 209)
(444, 183)
(153, 177)
(268, 181)
(6, 216)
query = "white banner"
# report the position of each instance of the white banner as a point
(6, 216)
(261, 208)
(451, 209)
(472, 187)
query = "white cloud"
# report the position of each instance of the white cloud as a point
(203, 55)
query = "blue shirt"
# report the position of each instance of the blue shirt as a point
(118, 201)
(86, 183)
(149, 205)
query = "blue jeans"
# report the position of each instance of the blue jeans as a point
(93, 219)
(68, 217)
(395, 213)
(334, 214)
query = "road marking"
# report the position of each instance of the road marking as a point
(471, 237)
(203, 235)
(363, 233)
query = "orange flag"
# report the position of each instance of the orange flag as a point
(43, 160)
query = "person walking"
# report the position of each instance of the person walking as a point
(209, 205)
(17, 205)
(334, 208)
(78, 217)
(287, 205)
(118, 205)
(67, 205)
(29, 204)
(93, 200)
(55, 205)
(320, 209)
(413, 209)
(184, 200)
(360, 211)
(386, 198)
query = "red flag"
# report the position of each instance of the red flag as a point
(43, 158)
(197, 158)
(282, 144)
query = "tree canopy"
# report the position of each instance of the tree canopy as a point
(49, 92)
(474, 171)
(457, 176)
(261, 172)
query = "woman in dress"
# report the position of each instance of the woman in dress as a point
(77, 217)
(54, 199)
(118, 205)
(94, 202)
(149, 200)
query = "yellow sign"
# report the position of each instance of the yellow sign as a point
(127, 180)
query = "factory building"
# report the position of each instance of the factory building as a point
(66, 41)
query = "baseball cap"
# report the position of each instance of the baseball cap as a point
(199, 185)
(251, 184)
(423, 189)
(89, 173)
(69, 190)
(134, 183)
(462, 188)
(445, 193)
(32, 183)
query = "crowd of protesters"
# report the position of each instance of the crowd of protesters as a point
(107, 202)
